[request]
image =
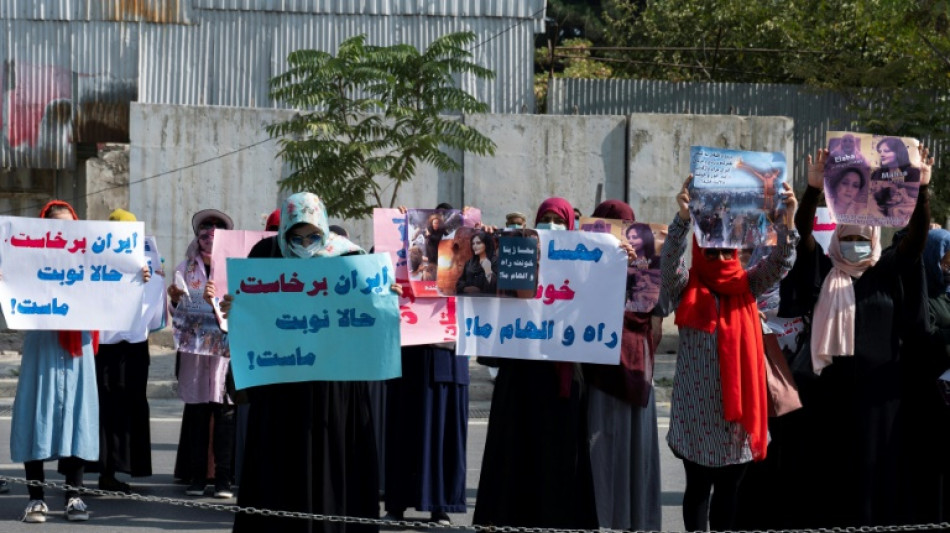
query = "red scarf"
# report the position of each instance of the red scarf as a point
(71, 341)
(741, 353)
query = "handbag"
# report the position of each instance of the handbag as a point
(782, 392)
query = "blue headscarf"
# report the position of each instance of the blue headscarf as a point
(938, 242)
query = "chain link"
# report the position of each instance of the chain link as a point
(414, 524)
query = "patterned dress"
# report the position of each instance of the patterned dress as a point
(698, 430)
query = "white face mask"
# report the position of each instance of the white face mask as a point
(551, 226)
(306, 251)
(514, 226)
(855, 251)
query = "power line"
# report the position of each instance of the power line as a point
(509, 28)
(153, 176)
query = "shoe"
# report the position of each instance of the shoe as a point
(392, 516)
(196, 489)
(76, 510)
(4, 486)
(114, 485)
(441, 518)
(222, 489)
(35, 512)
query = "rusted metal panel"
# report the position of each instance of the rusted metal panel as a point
(153, 11)
(436, 8)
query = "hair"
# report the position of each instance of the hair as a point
(646, 235)
(57, 208)
(487, 241)
(432, 217)
(444, 205)
(836, 179)
(896, 146)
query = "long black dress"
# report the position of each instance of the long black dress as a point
(536, 467)
(125, 443)
(848, 455)
(311, 448)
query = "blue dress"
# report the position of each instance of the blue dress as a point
(56, 409)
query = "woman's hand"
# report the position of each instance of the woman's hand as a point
(926, 165)
(402, 209)
(486, 266)
(396, 288)
(791, 204)
(146, 274)
(682, 199)
(816, 169)
(209, 292)
(175, 294)
(631, 252)
(225, 305)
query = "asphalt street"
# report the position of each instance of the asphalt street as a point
(115, 514)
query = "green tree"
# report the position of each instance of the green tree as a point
(367, 117)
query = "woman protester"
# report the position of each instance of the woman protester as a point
(319, 456)
(125, 443)
(869, 305)
(621, 413)
(426, 421)
(719, 416)
(56, 409)
(202, 377)
(536, 464)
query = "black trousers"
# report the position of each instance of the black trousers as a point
(719, 513)
(200, 435)
(71, 467)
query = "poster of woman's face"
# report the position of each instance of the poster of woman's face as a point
(643, 273)
(877, 186)
(481, 264)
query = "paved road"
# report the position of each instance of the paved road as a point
(121, 515)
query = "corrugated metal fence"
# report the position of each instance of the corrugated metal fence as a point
(70, 68)
(815, 111)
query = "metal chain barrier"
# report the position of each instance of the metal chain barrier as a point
(414, 524)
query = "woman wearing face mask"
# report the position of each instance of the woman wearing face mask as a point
(201, 377)
(311, 446)
(869, 304)
(536, 464)
(719, 416)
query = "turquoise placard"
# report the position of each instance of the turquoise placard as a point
(322, 319)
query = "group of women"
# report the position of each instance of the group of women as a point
(576, 446)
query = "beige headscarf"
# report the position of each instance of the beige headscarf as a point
(833, 321)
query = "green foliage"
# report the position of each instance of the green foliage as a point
(889, 59)
(374, 112)
(574, 63)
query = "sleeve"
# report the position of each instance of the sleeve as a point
(673, 272)
(766, 274)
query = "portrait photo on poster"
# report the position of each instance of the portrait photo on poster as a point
(871, 179)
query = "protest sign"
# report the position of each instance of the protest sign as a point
(332, 318)
(231, 243)
(872, 179)
(71, 275)
(422, 320)
(154, 302)
(499, 264)
(577, 314)
(643, 274)
(824, 228)
(604, 225)
(195, 327)
(518, 263)
(434, 238)
(735, 196)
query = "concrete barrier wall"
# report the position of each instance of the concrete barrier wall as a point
(184, 159)
(659, 153)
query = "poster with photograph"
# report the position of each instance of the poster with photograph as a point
(430, 235)
(502, 263)
(643, 274)
(872, 179)
(735, 196)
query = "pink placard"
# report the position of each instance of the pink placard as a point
(423, 320)
(231, 243)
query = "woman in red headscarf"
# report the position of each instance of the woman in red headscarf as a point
(719, 415)
(56, 410)
(536, 468)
